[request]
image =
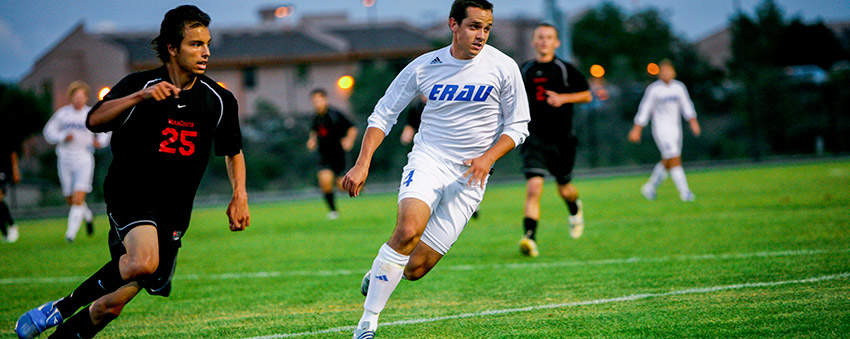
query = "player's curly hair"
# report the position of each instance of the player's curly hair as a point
(75, 85)
(173, 24)
(459, 7)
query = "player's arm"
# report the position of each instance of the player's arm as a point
(311, 141)
(237, 210)
(348, 141)
(107, 111)
(689, 112)
(356, 176)
(642, 117)
(407, 135)
(479, 167)
(559, 99)
(695, 127)
(53, 132)
(16, 171)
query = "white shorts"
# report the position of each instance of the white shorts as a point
(75, 174)
(669, 142)
(440, 184)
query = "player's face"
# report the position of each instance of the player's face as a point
(320, 103)
(79, 98)
(545, 40)
(194, 51)
(666, 73)
(469, 36)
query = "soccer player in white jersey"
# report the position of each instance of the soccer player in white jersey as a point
(663, 102)
(477, 111)
(75, 146)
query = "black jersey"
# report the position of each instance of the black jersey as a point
(414, 113)
(549, 122)
(161, 148)
(330, 128)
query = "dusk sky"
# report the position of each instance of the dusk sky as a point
(29, 28)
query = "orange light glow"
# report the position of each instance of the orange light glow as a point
(597, 71)
(369, 3)
(103, 92)
(284, 11)
(221, 84)
(345, 82)
(652, 68)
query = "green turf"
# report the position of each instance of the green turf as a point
(294, 271)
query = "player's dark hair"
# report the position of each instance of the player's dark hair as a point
(319, 91)
(546, 24)
(459, 7)
(173, 24)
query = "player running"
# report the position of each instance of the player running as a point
(9, 174)
(333, 134)
(663, 101)
(477, 111)
(553, 86)
(75, 146)
(164, 122)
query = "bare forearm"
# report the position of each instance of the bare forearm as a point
(236, 173)
(371, 140)
(110, 110)
(504, 145)
(577, 98)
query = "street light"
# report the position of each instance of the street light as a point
(345, 82)
(597, 71)
(103, 92)
(652, 68)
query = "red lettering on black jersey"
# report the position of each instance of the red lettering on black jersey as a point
(186, 148)
(540, 80)
(181, 123)
(322, 131)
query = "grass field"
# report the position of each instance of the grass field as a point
(764, 252)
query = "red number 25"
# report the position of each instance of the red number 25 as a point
(188, 147)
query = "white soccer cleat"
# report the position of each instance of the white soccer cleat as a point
(363, 332)
(12, 235)
(648, 192)
(577, 222)
(688, 196)
(333, 215)
(528, 247)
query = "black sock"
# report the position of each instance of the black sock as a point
(530, 227)
(5, 218)
(573, 207)
(104, 281)
(79, 326)
(329, 197)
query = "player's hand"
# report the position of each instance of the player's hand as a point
(69, 137)
(238, 214)
(161, 91)
(16, 175)
(355, 179)
(347, 144)
(695, 127)
(478, 170)
(311, 144)
(634, 134)
(553, 99)
(407, 135)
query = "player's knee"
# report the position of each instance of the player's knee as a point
(141, 265)
(535, 188)
(106, 310)
(414, 273)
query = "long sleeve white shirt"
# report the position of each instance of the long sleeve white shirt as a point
(664, 103)
(69, 121)
(471, 103)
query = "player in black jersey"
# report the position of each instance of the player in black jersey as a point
(334, 135)
(164, 123)
(9, 174)
(553, 86)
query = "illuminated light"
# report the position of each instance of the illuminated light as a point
(282, 12)
(652, 69)
(221, 84)
(345, 82)
(103, 92)
(369, 3)
(597, 71)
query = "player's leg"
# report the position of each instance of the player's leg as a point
(569, 193)
(67, 174)
(5, 214)
(677, 173)
(659, 174)
(561, 160)
(534, 168)
(87, 323)
(83, 186)
(326, 185)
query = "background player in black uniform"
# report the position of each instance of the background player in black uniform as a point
(553, 86)
(334, 135)
(164, 122)
(9, 174)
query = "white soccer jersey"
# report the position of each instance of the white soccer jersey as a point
(69, 121)
(471, 103)
(664, 102)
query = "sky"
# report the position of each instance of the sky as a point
(29, 28)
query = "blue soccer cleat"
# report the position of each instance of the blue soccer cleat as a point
(37, 320)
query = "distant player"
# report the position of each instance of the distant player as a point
(9, 174)
(164, 123)
(553, 86)
(333, 134)
(664, 101)
(75, 146)
(476, 113)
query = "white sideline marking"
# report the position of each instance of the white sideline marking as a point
(275, 274)
(633, 297)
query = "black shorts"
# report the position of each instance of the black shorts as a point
(557, 157)
(333, 162)
(158, 283)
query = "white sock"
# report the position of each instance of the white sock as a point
(75, 217)
(387, 270)
(659, 174)
(87, 214)
(678, 175)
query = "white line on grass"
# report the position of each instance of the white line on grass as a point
(324, 273)
(633, 297)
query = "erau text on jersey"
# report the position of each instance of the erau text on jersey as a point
(449, 92)
(181, 123)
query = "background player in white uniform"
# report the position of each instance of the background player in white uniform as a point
(477, 111)
(663, 101)
(75, 146)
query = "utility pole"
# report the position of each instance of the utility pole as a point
(557, 19)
